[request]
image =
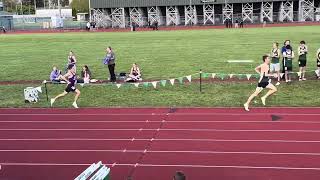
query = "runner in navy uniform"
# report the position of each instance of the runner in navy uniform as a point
(264, 82)
(71, 80)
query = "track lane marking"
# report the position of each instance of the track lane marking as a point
(167, 165)
(162, 114)
(132, 139)
(158, 129)
(155, 151)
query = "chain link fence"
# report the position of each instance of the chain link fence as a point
(199, 20)
(45, 23)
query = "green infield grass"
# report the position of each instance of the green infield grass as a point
(161, 55)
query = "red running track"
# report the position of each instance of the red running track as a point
(150, 143)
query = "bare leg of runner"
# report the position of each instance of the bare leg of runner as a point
(272, 89)
(253, 95)
(76, 97)
(59, 96)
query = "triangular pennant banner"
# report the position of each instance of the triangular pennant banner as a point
(248, 76)
(180, 80)
(163, 82)
(299, 74)
(240, 76)
(281, 74)
(118, 85)
(39, 89)
(257, 76)
(213, 75)
(189, 78)
(145, 84)
(154, 84)
(205, 75)
(230, 76)
(172, 81)
(136, 84)
(222, 76)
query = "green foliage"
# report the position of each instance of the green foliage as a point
(26, 9)
(80, 6)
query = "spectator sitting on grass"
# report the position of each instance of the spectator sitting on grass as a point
(179, 176)
(85, 75)
(135, 74)
(55, 74)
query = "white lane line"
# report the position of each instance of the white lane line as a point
(83, 114)
(158, 129)
(168, 121)
(166, 165)
(162, 114)
(154, 151)
(196, 140)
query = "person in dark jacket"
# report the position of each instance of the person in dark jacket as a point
(110, 61)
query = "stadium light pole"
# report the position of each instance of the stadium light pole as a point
(192, 10)
(59, 6)
(35, 6)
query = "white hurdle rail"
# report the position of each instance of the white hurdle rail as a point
(96, 171)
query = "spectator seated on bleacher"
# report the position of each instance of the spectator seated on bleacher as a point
(135, 74)
(55, 75)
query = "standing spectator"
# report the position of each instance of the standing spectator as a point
(302, 52)
(283, 49)
(110, 61)
(236, 24)
(179, 176)
(72, 60)
(230, 23)
(275, 63)
(241, 23)
(3, 29)
(265, 19)
(55, 75)
(88, 26)
(156, 24)
(226, 22)
(287, 63)
(149, 24)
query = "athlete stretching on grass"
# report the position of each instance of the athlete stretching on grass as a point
(264, 82)
(71, 80)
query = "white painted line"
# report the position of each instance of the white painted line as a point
(158, 129)
(168, 121)
(114, 164)
(155, 151)
(168, 165)
(197, 140)
(63, 121)
(162, 114)
(236, 167)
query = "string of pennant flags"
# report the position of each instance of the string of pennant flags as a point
(188, 78)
